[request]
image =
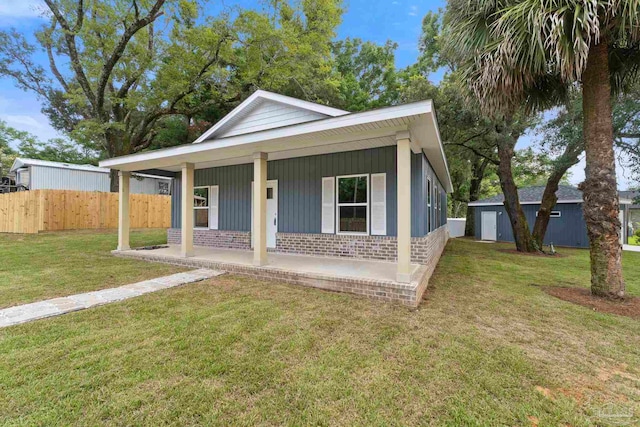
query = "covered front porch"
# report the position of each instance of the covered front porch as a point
(373, 279)
(410, 129)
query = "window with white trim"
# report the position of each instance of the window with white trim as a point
(352, 204)
(429, 190)
(553, 214)
(201, 207)
(205, 207)
(436, 202)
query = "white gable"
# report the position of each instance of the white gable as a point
(268, 115)
(265, 110)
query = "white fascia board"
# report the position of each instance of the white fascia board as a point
(262, 94)
(17, 164)
(559, 202)
(332, 123)
(626, 201)
(449, 184)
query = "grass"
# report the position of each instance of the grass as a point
(487, 347)
(47, 265)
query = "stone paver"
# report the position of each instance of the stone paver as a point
(57, 306)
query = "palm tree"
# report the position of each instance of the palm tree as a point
(531, 52)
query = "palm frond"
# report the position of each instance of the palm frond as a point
(515, 52)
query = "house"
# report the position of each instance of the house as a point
(289, 189)
(32, 174)
(566, 224)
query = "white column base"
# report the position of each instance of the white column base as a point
(403, 277)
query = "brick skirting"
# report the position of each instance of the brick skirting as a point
(213, 238)
(408, 294)
(424, 250)
(383, 248)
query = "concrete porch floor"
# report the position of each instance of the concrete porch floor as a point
(374, 279)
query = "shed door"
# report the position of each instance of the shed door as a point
(489, 226)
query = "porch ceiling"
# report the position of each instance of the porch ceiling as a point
(371, 129)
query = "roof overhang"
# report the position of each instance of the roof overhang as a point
(348, 132)
(559, 202)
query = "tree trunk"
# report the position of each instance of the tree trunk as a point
(519, 224)
(114, 185)
(478, 169)
(600, 190)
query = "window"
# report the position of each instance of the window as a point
(429, 189)
(436, 202)
(163, 188)
(353, 204)
(553, 214)
(201, 207)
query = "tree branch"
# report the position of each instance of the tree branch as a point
(115, 56)
(70, 39)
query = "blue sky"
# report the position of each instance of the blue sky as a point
(374, 20)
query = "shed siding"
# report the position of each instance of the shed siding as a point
(269, 115)
(46, 178)
(300, 189)
(568, 230)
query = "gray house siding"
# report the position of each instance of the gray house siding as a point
(300, 189)
(568, 230)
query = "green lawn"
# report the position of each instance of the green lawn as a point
(487, 347)
(47, 265)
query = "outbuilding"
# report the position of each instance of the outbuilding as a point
(34, 174)
(566, 227)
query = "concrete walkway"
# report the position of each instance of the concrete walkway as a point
(57, 306)
(631, 248)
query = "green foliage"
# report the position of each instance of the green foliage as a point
(57, 149)
(123, 73)
(529, 52)
(368, 77)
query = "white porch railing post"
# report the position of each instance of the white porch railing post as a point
(123, 211)
(260, 209)
(403, 274)
(187, 210)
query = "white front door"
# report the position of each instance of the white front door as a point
(272, 213)
(623, 227)
(489, 226)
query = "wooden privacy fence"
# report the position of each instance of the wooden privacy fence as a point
(50, 210)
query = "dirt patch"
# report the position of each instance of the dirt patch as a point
(629, 307)
(538, 254)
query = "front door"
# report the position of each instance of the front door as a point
(489, 226)
(272, 213)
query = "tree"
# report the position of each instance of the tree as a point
(138, 67)
(368, 77)
(28, 145)
(524, 53)
(8, 135)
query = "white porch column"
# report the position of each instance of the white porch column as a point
(187, 210)
(123, 211)
(403, 274)
(260, 209)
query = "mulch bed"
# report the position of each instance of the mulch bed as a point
(629, 307)
(538, 254)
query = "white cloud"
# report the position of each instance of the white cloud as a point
(21, 8)
(413, 11)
